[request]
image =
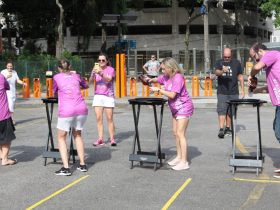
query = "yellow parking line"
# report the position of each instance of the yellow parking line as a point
(57, 192)
(256, 180)
(258, 190)
(171, 200)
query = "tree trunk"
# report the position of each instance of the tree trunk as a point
(187, 55)
(60, 41)
(187, 41)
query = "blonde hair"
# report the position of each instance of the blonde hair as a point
(172, 64)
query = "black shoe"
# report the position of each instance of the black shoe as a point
(221, 133)
(63, 172)
(228, 132)
(82, 168)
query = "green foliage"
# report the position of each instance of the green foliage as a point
(272, 7)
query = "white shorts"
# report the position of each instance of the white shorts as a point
(104, 101)
(76, 122)
(183, 117)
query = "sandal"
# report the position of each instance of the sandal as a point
(10, 162)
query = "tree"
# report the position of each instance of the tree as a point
(271, 8)
(60, 40)
(192, 14)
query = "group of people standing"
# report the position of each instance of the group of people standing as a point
(229, 72)
(72, 109)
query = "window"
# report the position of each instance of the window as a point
(251, 31)
(229, 29)
(198, 29)
(148, 29)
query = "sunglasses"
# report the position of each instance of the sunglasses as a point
(226, 56)
(152, 57)
(101, 60)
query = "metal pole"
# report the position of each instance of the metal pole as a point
(194, 61)
(135, 63)
(119, 51)
(206, 38)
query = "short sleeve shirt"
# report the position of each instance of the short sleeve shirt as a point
(70, 100)
(4, 107)
(104, 87)
(152, 67)
(182, 104)
(228, 81)
(272, 61)
(12, 82)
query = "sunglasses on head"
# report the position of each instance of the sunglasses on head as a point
(101, 60)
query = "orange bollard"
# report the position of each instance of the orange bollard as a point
(157, 94)
(145, 90)
(49, 84)
(132, 87)
(26, 88)
(208, 87)
(123, 76)
(85, 92)
(195, 86)
(36, 88)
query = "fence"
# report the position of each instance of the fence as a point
(134, 63)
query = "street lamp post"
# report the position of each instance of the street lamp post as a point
(206, 38)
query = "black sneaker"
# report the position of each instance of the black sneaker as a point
(63, 172)
(228, 131)
(82, 168)
(221, 133)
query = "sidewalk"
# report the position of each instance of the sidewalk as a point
(199, 102)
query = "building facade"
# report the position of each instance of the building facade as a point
(161, 30)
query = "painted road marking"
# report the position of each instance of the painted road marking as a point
(256, 180)
(258, 190)
(57, 192)
(176, 194)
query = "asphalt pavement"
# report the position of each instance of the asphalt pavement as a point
(110, 183)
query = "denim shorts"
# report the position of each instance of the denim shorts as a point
(276, 123)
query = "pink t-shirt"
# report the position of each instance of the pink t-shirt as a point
(182, 104)
(4, 107)
(103, 87)
(272, 62)
(70, 100)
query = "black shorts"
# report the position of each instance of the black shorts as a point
(7, 131)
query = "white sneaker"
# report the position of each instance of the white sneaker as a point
(277, 175)
(277, 170)
(181, 166)
(173, 162)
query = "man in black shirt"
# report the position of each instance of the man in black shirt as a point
(229, 72)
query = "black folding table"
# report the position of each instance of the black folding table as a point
(250, 161)
(141, 156)
(50, 150)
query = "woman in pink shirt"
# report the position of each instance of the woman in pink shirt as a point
(181, 106)
(72, 113)
(104, 100)
(6, 124)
